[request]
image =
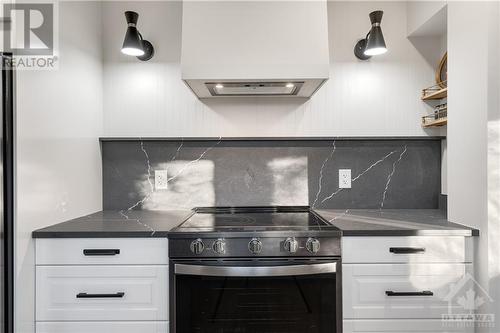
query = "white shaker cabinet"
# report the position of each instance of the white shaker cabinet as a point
(102, 285)
(399, 284)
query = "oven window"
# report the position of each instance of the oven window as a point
(256, 304)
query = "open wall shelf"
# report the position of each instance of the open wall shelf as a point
(439, 94)
(435, 123)
(439, 117)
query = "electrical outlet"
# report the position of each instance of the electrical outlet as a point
(344, 178)
(161, 179)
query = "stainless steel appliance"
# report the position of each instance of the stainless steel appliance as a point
(255, 269)
(6, 194)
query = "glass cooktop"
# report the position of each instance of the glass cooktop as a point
(253, 219)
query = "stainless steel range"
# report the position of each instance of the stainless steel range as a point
(255, 269)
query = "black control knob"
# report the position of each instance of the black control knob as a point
(312, 245)
(197, 246)
(219, 246)
(255, 246)
(291, 245)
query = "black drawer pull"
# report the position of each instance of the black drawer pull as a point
(101, 252)
(115, 295)
(406, 250)
(409, 293)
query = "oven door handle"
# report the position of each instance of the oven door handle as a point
(251, 271)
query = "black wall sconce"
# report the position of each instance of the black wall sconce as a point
(134, 44)
(374, 43)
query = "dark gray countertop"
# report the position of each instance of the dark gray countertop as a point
(390, 222)
(109, 224)
(395, 222)
(274, 138)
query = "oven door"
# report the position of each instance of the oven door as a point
(255, 296)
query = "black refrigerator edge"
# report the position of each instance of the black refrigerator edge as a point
(7, 109)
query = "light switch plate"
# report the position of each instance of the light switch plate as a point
(161, 179)
(344, 178)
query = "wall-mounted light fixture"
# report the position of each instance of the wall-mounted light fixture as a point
(374, 43)
(134, 44)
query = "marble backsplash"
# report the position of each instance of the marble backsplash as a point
(386, 173)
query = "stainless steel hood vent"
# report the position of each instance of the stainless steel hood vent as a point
(254, 88)
(254, 48)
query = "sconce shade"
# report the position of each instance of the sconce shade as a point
(376, 16)
(132, 44)
(375, 43)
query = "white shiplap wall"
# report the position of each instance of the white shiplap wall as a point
(380, 97)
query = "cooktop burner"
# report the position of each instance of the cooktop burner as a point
(253, 218)
(254, 231)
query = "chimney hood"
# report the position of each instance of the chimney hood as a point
(254, 48)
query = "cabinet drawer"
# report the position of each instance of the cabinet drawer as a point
(102, 327)
(366, 287)
(412, 249)
(92, 293)
(102, 251)
(401, 325)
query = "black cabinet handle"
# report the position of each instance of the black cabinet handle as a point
(101, 252)
(406, 250)
(409, 293)
(115, 295)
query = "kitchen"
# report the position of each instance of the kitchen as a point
(147, 175)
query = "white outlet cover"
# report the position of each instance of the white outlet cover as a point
(161, 179)
(344, 178)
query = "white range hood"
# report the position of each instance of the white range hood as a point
(254, 48)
